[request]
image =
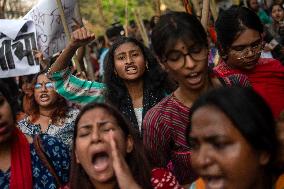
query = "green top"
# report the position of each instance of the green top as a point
(265, 19)
(77, 90)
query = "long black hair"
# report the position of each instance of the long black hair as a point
(136, 159)
(156, 82)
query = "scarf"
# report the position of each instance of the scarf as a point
(267, 79)
(21, 166)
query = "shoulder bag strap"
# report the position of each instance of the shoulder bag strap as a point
(44, 158)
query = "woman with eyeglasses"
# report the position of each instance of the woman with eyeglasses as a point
(48, 112)
(239, 38)
(21, 162)
(180, 42)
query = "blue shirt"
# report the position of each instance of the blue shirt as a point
(58, 154)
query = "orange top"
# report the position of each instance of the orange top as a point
(198, 184)
(280, 182)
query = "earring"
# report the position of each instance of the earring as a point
(147, 68)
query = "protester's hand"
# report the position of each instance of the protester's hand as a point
(81, 37)
(38, 55)
(123, 175)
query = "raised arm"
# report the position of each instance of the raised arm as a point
(70, 87)
(80, 37)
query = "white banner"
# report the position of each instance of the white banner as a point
(50, 33)
(17, 40)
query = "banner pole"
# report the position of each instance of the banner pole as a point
(141, 28)
(205, 13)
(67, 33)
(126, 18)
(196, 8)
(158, 10)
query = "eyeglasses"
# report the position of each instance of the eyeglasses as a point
(47, 85)
(243, 51)
(177, 59)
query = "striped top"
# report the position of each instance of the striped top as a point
(77, 90)
(230, 76)
(164, 137)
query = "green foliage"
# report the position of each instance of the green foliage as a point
(114, 10)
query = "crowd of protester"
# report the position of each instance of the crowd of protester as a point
(168, 114)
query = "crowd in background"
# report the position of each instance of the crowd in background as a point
(194, 108)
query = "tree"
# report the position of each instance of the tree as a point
(2, 8)
(102, 13)
(14, 8)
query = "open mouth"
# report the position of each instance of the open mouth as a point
(214, 182)
(194, 78)
(100, 161)
(278, 18)
(44, 97)
(131, 69)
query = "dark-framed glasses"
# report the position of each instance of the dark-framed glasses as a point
(177, 59)
(47, 85)
(246, 51)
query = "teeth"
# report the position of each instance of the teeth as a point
(215, 182)
(131, 68)
(193, 74)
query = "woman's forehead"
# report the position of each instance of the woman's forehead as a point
(181, 44)
(97, 113)
(247, 36)
(275, 7)
(42, 77)
(125, 47)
